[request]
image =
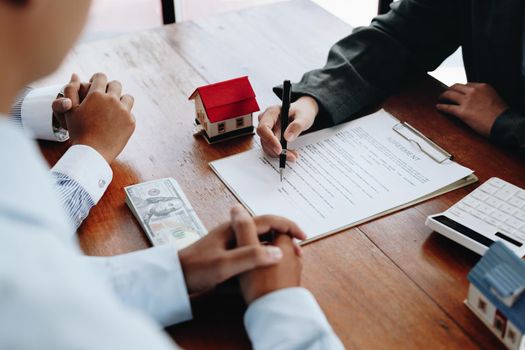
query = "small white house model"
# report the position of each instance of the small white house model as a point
(225, 110)
(497, 294)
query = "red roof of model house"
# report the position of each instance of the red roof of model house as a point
(227, 99)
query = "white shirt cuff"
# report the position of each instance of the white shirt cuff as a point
(289, 319)
(37, 114)
(150, 280)
(88, 168)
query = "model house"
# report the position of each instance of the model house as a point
(225, 110)
(497, 294)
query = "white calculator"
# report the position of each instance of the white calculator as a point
(495, 211)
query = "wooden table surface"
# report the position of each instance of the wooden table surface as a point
(391, 283)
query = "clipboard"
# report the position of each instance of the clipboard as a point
(416, 138)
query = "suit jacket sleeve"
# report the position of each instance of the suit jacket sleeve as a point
(509, 130)
(366, 66)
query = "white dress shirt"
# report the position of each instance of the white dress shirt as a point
(82, 175)
(53, 297)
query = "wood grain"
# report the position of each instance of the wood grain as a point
(390, 283)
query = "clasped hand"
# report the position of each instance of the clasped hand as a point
(96, 114)
(233, 248)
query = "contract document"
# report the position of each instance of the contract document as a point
(345, 175)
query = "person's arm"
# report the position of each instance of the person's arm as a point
(81, 178)
(281, 315)
(158, 280)
(150, 280)
(47, 289)
(33, 112)
(289, 319)
(509, 130)
(366, 66)
(100, 124)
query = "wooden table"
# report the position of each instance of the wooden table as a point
(390, 283)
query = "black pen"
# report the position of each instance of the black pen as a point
(285, 109)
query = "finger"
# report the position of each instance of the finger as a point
(244, 227)
(128, 101)
(84, 89)
(297, 250)
(114, 88)
(475, 85)
(286, 243)
(71, 90)
(267, 121)
(454, 110)
(300, 123)
(98, 81)
(276, 130)
(62, 105)
(267, 223)
(453, 96)
(292, 155)
(269, 149)
(464, 89)
(242, 259)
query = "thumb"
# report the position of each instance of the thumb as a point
(62, 105)
(250, 257)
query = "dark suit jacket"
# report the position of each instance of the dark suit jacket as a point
(417, 35)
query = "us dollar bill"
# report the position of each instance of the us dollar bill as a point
(164, 212)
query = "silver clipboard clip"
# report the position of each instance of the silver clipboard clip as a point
(403, 125)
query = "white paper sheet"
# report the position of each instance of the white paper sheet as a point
(344, 175)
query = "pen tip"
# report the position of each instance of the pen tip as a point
(281, 174)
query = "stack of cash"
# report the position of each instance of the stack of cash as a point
(164, 212)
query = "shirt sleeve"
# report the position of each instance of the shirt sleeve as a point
(15, 113)
(36, 114)
(74, 198)
(84, 167)
(289, 319)
(149, 280)
(509, 130)
(363, 68)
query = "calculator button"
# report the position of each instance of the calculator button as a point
(487, 188)
(514, 223)
(471, 202)
(515, 201)
(499, 215)
(521, 195)
(491, 221)
(505, 193)
(497, 182)
(485, 209)
(507, 209)
(493, 202)
(480, 196)
(477, 214)
(520, 215)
